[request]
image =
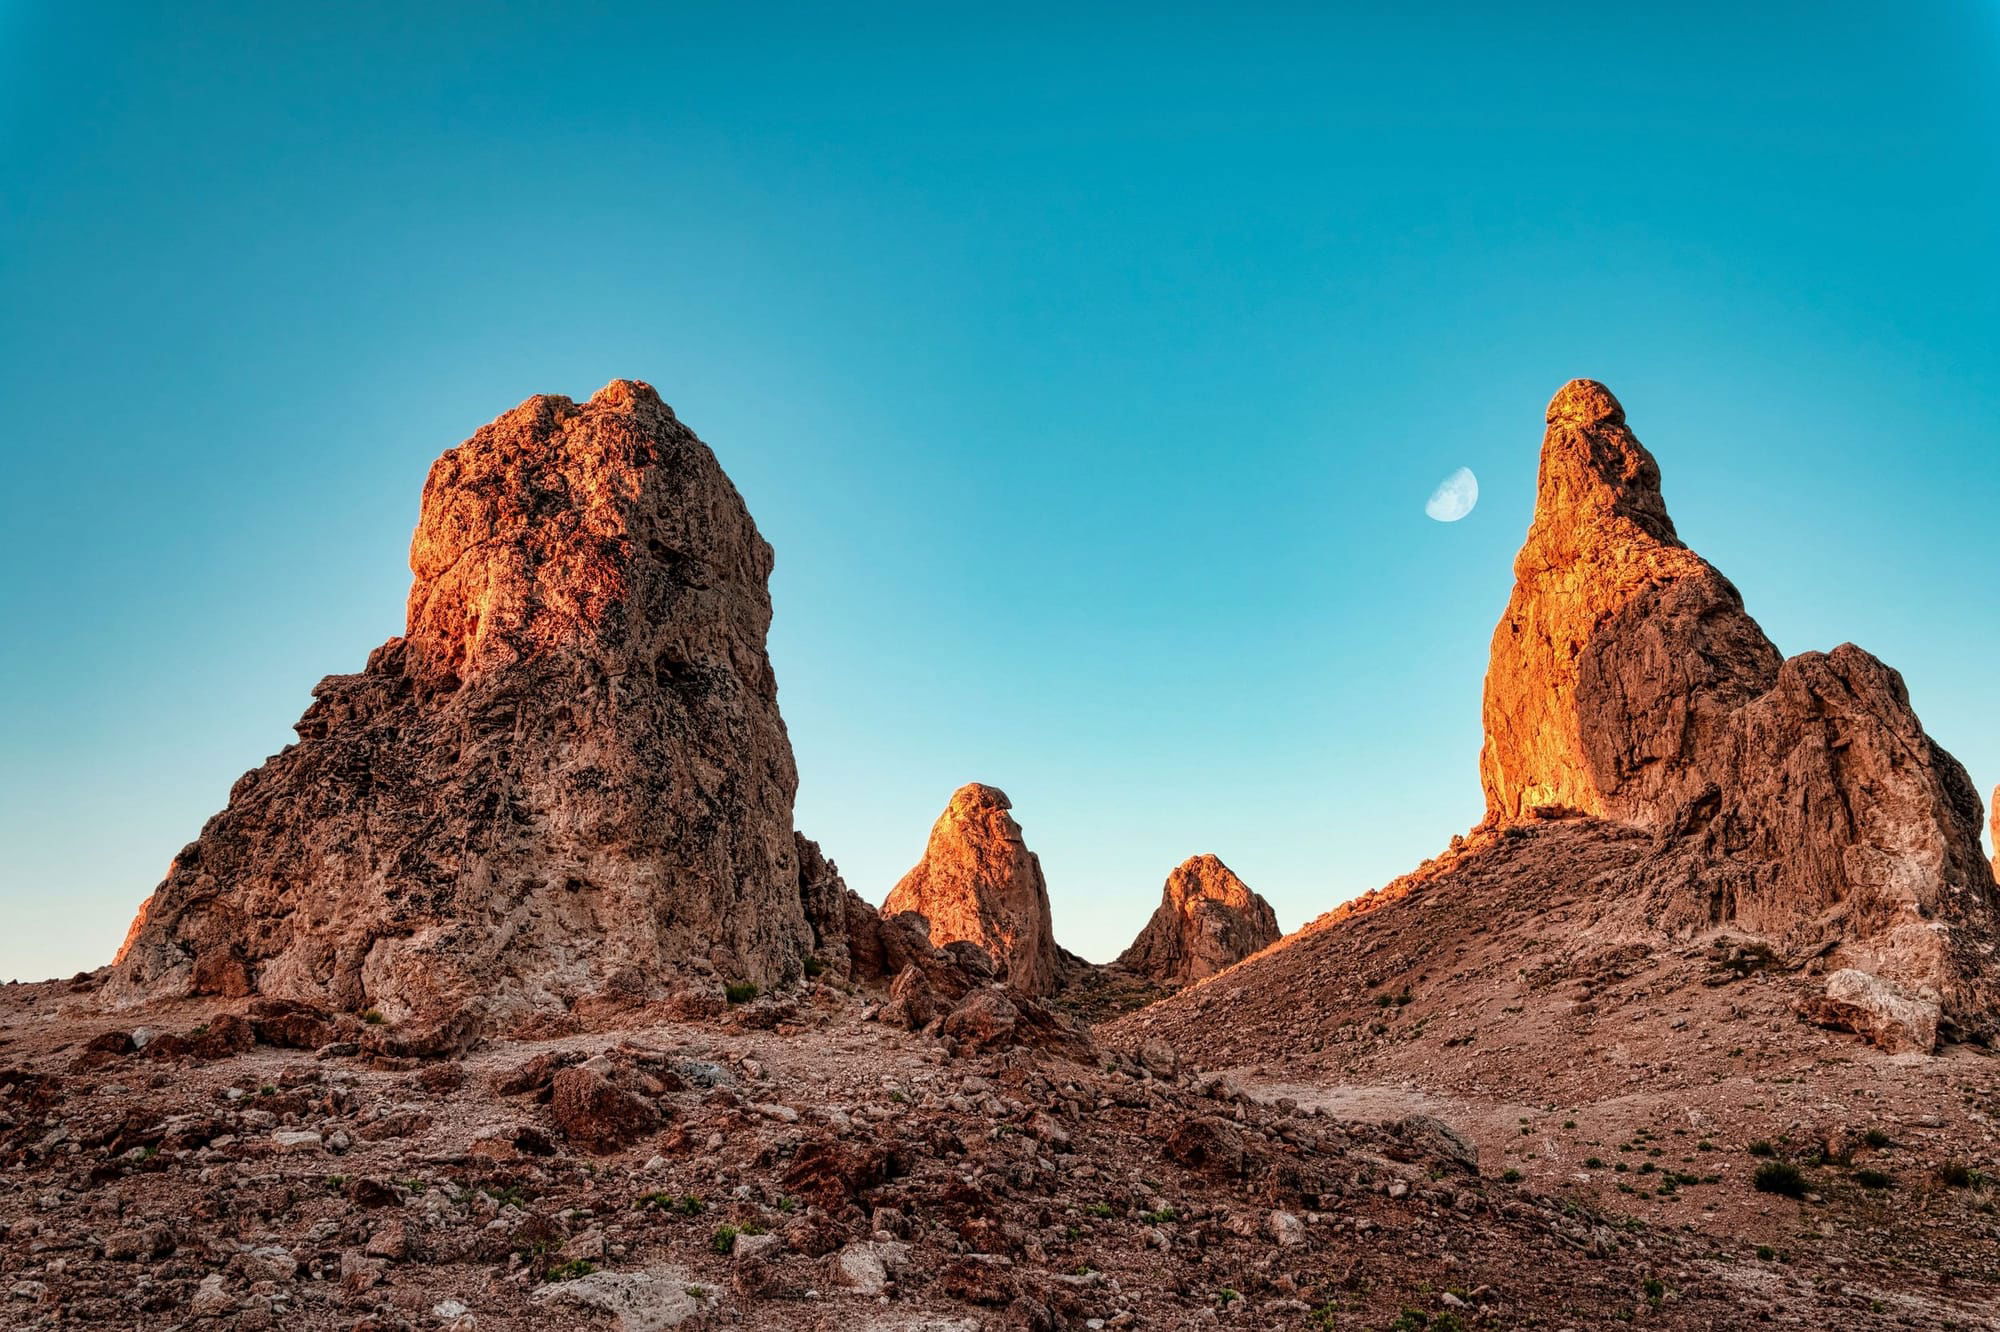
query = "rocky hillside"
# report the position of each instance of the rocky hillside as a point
(567, 782)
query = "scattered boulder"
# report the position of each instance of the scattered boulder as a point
(1208, 1143)
(652, 1300)
(1207, 920)
(1874, 1010)
(577, 735)
(291, 1026)
(912, 1003)
(979, 883)
(1423, 1138)
(597, 1114)
(866, 1268)
(832, 1172)
(983, 1019)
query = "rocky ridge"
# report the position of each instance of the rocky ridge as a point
(1207, 920)
(566, 783)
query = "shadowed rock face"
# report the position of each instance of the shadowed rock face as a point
(569, 776)
(1207, 920)
(1627, 682)
(979, 883)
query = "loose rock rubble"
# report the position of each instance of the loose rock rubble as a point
(826, 1170)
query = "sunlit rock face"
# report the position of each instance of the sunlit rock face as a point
(1207, 920)
(569, 776)
(1626, 681)
(979, 883)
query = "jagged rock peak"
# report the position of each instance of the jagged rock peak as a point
(569, 778)
(1207, 920)
(1627, 682)
(978, 883)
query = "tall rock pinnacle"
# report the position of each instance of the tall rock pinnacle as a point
(978, 882)
(1627, 682)
(1207, 920)
(568, 776)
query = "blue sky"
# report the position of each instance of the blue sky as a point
(1087, 368)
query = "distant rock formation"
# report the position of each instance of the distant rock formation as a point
(1627, 682)
(979, 883)
(1207, 920)
(568, 778)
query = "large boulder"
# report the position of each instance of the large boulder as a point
(1207, 920)
(1874, 1010)
(1627, 682)
(978, 883)
(568, 777)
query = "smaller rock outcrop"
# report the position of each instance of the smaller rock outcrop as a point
(978, 883)
(1207, 920)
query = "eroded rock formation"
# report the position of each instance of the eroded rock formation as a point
(979, 883)
(1628, 683)
(1208, 919)
(568, 777)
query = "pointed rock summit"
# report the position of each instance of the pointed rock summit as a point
(1628, 683)
(978, 883)
(568, 777)
(1207, 920)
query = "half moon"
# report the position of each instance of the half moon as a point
(1454, 497)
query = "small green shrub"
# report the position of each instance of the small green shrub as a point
(1875, 1179)
(815, 967)
(575, 1267)
(1510, 1176)
(686, 1204)
(1780, 1177)
(373, 1017)
(1877, 1139)
(742, 992)
(1762, 1148)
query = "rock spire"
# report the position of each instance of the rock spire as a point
(979, 883)
(568, 777)
(1207, 920)
(1627, 682)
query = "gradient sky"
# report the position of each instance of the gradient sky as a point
(1088, 370)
